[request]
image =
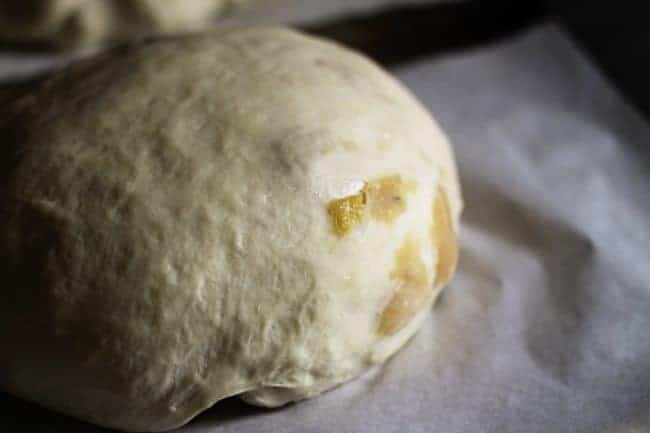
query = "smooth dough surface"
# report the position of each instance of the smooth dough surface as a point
(257, 213)
(73, 23)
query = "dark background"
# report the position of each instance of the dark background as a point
(615, 34)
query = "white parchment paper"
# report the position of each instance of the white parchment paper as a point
(546, 327)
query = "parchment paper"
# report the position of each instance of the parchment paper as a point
(546, 327)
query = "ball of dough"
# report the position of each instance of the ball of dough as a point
(258, 213)
(75, 23)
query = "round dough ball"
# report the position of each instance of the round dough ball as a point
(259, 213)
(76, 23)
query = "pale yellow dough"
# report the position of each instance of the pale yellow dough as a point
(74, 23)
(257, 213)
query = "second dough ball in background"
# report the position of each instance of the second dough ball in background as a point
(78, 23)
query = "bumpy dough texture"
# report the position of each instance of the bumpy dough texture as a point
(258, 213)
(73, 23)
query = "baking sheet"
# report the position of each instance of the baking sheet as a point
(546, 327)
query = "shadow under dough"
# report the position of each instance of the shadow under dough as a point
(21, 416)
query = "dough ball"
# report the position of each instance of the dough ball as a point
(258, 213)
(73, 23)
